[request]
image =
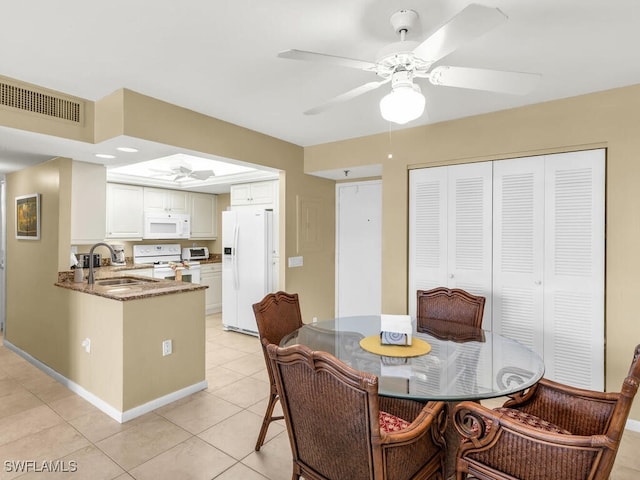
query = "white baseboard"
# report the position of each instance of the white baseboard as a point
(101, 404)
(162, 401)
(633, 425)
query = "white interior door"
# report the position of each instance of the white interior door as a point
(518, 257)
(470, 234)
(428, 222)
(574, 268)
(549, 261)
(358, 248)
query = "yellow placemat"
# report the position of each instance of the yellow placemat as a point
(418, 347)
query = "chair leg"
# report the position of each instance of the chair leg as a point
(268, 418)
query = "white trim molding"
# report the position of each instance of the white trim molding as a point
(100, 404)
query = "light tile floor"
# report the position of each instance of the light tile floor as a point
(210, 434)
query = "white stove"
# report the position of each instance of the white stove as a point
(160, 256)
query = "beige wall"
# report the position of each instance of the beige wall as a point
(147, 374)
(607, 119)
(37, 316)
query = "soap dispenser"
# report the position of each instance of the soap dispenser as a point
(78, 275)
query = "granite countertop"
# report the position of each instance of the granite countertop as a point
(213, 258)
(152, 287)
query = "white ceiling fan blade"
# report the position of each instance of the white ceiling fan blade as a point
(469, 23)
(321, 57)
(515, 83)
(202, 174)
(362, 89)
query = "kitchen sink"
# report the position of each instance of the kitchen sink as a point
(124, 281)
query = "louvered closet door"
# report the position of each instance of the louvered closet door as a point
(469, 236)
(450, 230)
(574, 268)
(518, 250)
(427, 231)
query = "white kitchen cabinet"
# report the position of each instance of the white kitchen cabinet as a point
(204, 225)
(88, 202)
(211, 275)
(160, 200)
(257, 193)
(125, 211)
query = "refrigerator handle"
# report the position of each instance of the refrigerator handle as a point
(236, 282)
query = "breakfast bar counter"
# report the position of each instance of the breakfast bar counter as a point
(135, 343)
(146, 287)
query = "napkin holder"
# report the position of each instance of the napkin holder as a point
(395, 329)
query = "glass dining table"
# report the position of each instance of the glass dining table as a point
(464, 363)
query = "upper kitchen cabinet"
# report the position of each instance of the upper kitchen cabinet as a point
(159, 200)
(125, 217)
(203, 216)
(258, 193)
(88, 199)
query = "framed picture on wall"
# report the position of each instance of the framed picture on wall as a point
(28, 217)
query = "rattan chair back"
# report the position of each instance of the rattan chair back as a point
(332, 415)
(453, 305)
(277, 315)
(590, 426)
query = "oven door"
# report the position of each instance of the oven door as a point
(167, 273)
(190, 275)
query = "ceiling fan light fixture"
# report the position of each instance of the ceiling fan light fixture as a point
(403, 104)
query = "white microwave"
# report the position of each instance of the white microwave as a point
(166, 225)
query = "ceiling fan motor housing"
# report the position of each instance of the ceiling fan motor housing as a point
(404, 20)
(402, 78)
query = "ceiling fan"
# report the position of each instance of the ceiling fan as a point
(401, 62)
(182, 172)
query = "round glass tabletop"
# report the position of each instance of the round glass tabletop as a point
(464, 363)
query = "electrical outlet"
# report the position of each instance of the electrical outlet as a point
(86, 344)
(167, 348)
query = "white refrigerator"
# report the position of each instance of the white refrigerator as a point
(247, 266)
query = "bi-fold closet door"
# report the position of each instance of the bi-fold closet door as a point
(450, 231)
(548, 274)
(545, 282)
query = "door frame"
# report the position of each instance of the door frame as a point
(3, 250)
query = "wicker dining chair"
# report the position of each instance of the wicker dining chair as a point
(454, 305)
(339, 428)
(550, 431)
(277, 315)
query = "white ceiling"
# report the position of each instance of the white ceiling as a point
(220, 58)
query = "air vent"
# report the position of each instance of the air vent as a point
(40, 101)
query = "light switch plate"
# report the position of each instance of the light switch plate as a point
(294, 262)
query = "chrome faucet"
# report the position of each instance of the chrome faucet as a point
(90, 279)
